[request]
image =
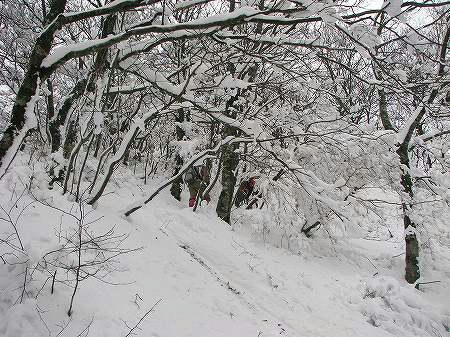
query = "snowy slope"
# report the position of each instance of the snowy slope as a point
(209, 280)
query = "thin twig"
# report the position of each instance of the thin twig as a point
(142, 318)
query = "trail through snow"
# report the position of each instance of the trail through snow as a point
(213, 281)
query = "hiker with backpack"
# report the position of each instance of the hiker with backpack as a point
(245, 191)
(197, 178)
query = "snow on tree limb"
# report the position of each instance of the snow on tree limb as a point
(30, 124)
(127, 140)
(406, 131)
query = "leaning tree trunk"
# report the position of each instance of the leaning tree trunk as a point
(61, 116)
(31, 79)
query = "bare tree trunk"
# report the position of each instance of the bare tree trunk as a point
(126, 144)
(230, 161)
(101, 160)
(98, 143)
(71, 138)
(175, 189)
(73, 154)
(82, 168)
(50, 109)
(412, 272)
(225, 202)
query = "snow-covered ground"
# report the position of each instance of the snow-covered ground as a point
(203, 278)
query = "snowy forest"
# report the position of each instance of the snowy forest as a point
(217, 168)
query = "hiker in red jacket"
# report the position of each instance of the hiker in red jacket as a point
(245, 191)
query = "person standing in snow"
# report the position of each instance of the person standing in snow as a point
(245, 191)
(197, 179)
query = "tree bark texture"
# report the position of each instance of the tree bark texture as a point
(230, 161)
(225, 202)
